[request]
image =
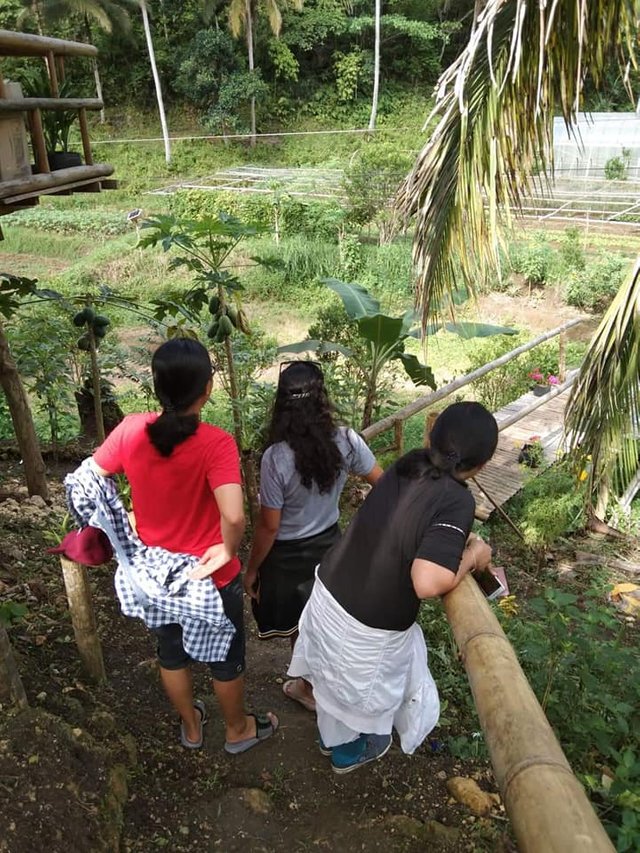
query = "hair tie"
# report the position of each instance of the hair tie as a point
(298, 395)
(169, 408)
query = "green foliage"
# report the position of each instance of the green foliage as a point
(551, 505)
(594, 287)
(11, 612)
(572, 251)
(349, 70)
(616, 168)
(372, 180)
(535, 262)
(584, 670)
(284, 62)
(209, 59)
(104, 223)
(230, 112)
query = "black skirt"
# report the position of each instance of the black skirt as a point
(285, 579)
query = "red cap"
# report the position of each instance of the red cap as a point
(89, 547)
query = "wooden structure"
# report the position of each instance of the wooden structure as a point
(23, 182)
(526, 417)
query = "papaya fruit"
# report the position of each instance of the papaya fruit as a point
(214, 304)
(226, 325)
(89, 314)
(101, 320)
(99, 331)
(79, 319)
(212, 331)
(232, 314)
(221, 335)
(84, 342)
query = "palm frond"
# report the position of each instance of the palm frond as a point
(274, 15)
(237, 16)
(494, 112)
(603, 414)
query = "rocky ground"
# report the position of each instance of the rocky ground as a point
(92, 768)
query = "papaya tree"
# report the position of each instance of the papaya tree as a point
(12, 290)
(95, 328)
(384, 338)
(203, 246)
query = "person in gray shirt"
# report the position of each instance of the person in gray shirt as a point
(302, 475)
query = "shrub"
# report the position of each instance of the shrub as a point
(571, 251)
(105, 223)
(535, 262)
(615, 169)
(550, 505)
(594, 287)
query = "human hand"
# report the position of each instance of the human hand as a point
(480, 553)
(250, 583)
(214, 558)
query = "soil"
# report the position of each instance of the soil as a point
(280, 796)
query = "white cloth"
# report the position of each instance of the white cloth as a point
(365, 680)
(152, 583)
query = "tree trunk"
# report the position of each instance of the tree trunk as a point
(249, 28)
(11, 688)
(97, 391)
(94, 63)
(13, 388)
(156, 80)
(376, 67)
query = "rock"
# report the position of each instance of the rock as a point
(433, 830)
(407, 826)
(102, 723)
(470, 794)
(37, 500)
(256, 799)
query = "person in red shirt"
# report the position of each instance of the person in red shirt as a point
(186, 492)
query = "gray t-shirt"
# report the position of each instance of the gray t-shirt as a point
(306, 512)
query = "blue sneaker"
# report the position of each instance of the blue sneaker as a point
(368, 748)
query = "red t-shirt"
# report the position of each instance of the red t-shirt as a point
(172, 496)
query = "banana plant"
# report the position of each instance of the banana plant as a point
(384, 339)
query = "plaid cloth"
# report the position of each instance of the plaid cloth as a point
(152, 583)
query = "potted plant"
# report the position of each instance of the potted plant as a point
(532, 453)
(542, 383)
(56, 124)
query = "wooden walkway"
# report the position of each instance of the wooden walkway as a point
(504, 476)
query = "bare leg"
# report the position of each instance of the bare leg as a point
(302, 687)
(178, 684)
(230, 695)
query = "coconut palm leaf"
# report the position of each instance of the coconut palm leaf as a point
(108, 14)
(494, 116)
(603, 413)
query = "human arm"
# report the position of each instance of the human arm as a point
(374, 475)
(232, 524)
(263, 538)
(431, 580)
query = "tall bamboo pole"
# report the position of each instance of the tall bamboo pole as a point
(547, 806)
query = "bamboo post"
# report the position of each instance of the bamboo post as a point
(11, 687)
(562, 356)
(37, 140)
(76, 581)
(53, 74)
(547, 806)
(398, 430)
(84, 133)
(428, 426)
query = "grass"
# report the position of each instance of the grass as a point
(47, 245)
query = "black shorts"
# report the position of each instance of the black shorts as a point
(171, 652)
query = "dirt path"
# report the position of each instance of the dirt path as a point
(281, 796)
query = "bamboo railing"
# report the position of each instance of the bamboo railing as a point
(547, 806)
(20, 191)
(396, 420)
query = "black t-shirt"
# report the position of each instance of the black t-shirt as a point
(369, 570)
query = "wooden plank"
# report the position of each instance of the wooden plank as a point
(19, 188)
(25, 44)
(8, 105)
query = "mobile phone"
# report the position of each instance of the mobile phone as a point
(491, 583)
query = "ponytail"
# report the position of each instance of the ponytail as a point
(463, 437)
(181, 370)
(170, 430)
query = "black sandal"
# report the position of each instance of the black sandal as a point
(265, 727)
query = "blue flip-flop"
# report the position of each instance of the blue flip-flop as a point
(264, 729)
(199, 705)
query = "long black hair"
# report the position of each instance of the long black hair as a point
(303, 417)
(181, 370)
(464, 436)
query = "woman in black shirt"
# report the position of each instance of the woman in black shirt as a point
(359, 645)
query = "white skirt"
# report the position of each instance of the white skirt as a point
(365, 680)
